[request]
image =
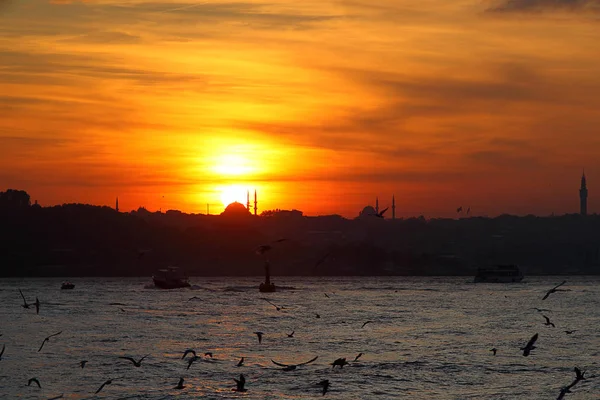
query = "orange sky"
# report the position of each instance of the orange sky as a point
(319, 105)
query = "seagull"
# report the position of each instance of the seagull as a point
(291, 367)
(278, 308)
(194, 297)
(326, 295)
(208, 353)
(494, 350)
(291, 334)
(136, 363)
(82, 363)
(191, 361)
(570, 332)
(259, 335)
(262, 249)
(548, 321)
(25, 305)
(578, 374)
(368, 322)
(358, 356)
(188, 351)
(60, 396)
(325, 384)
(47, 339)
(108, 382)
(553, 290)
(530, 345)
(341, 362)
(180, 384)
(317, 316)
(2, 352)
(241, 362)
(240, 384)
(37, 306)
(35, 380)
(541, 309)
(380, 215)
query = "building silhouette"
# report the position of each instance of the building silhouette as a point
(393, 207)
(117, 204)
(255, 204)
(583, 194)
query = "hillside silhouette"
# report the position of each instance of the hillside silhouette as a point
(86, 240)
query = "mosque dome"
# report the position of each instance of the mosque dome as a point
(367, 211)
(235, 209)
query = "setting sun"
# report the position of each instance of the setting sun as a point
(233, 193)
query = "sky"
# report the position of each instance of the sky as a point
(320, 106)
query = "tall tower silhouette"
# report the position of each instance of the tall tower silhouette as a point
(117, 204)
(248, 200)
(583, 193)
(393, 207)
(255, 203)
(377, 205)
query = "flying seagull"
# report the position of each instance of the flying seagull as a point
(108, 382)
(380, 214)
(180, 384)
(136, 363)
(291, 367)
(34, 380)
(191, 361)
(548, 321)
(37, 306)
(240, 384)
(48, 339)
(570, 332)
(494, 350)
(358, 356)
(541, 309)
(194, 298)
(368, 322)
(60, 396)
(530, 345)
(25, 305)
(2, 352)
(188, 351)
(291, 334)
(325, 384)
(241, 362)
(326, 295)
(553, 290)
(259, 335)
(340, 362)
(82, 363)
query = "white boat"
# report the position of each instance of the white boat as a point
(499, 274)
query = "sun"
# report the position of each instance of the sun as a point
(233, 193)
(233, 165)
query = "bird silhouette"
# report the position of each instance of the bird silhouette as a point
(291, 335)
(188, 351)
(135, 363)
(530, 345)
(60, 396)
(380, 214)
(278, 308)
(368, 322)
(358, 356)
(208, 354)
(291, 367)
(47, 340)
(241, 362)
(325, 384)
(240, 384)
(578, 374)
(259, 335)
(548, 321)
(340, 362)
(37, 306)
(25, 305)
(2, 352)
(34, 380)
(494, 350)
(180, 384)
(108, 382)
(191, 361)
(82, 363)
(570, 332)
(554, 290)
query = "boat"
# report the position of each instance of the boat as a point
(499, 274)
(67, 285)
(170, 278)
(267, 286)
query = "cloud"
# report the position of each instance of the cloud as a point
(517, 6)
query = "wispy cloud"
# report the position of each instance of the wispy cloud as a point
(515, 6)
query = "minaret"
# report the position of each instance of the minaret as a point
(117, 204)
(393, 207)
(377, 205)
(583, 196)
(255, 203)
(248, 200)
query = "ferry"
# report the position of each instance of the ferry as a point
(67, 285)
(170, 278)
(499, 274)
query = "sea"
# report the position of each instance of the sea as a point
(429, 338)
